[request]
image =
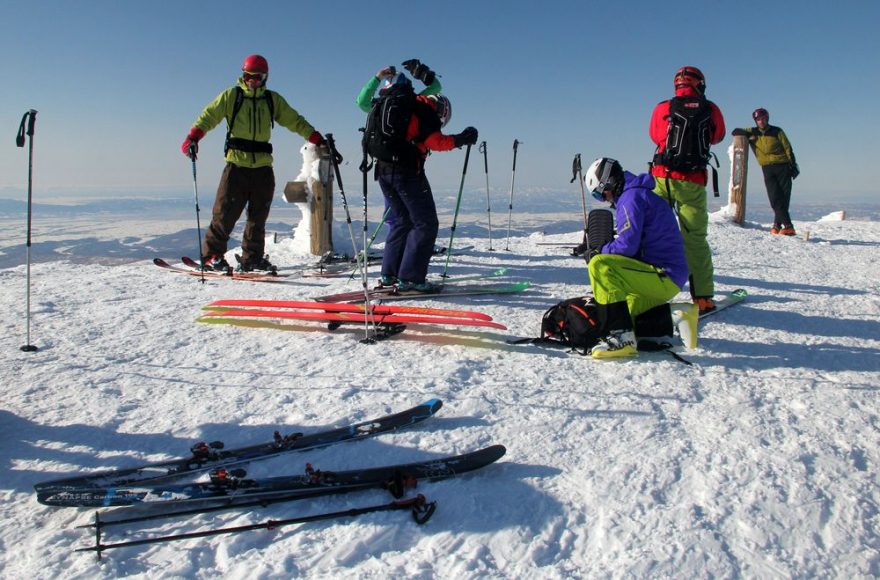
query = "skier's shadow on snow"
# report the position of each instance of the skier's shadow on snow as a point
(776, 287)
(75, 448)
(821, 357)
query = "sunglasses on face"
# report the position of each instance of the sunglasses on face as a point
(251, 76)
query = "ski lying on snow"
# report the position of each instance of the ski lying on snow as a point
(358, 308)
(351, 317)
(724, 302)
(342, 264)
(207, 456)
(391, 292)
(226, 486)
(252, 276)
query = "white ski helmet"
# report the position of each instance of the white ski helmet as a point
(604, 173)
(443, 108)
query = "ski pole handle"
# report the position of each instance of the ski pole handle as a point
(485, 153)
(515, 147)
(576, 167)
(30, 117)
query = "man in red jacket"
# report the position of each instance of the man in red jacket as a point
(679, 170)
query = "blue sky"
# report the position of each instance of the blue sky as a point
(118, 84)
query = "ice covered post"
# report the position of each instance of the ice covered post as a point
(312, 192)
(739, 171)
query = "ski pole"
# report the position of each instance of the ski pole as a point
(510, 204)
(488, 203)
(30, 117)
(372, 239)
(365, 284)
(577, 174)
(335, 160)
(419, 507)
(193, 154)
(467, 154)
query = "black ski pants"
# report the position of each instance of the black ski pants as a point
(777, 179)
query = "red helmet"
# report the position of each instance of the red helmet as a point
(760, 113)
(255, 64)
(690, 76)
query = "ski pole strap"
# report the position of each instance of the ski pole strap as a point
(485, 157)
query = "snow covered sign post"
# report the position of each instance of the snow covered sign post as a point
(739, 171)
(312, 192)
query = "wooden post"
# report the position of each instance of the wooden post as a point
(739, 172)
(321, 208)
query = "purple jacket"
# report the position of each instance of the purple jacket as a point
(647, 229)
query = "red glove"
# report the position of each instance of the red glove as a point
(192, 140)
(317, 139)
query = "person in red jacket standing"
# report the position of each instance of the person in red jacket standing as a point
(679, 169)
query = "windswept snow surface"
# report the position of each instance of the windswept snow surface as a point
(760, 460)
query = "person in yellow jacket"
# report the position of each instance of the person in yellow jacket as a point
(248, 180)
(776, 158)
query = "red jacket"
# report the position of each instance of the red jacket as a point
(435, 141)
(657, 131)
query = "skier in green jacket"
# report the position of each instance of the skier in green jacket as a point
(248, 181)
(776, 158)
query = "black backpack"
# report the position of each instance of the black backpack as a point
(572, 323)
(387, 125)
(689, 135)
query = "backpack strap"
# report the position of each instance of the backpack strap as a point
(248, 145)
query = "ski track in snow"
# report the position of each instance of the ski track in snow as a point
(760, 460)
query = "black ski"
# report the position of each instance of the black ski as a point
(208, 456)
(225, 486)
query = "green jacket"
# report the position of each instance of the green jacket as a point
(365, 97)
(770, 146)
(252, 122)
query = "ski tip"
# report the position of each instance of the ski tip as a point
(160, 262)
(495, 451)
(433, 405)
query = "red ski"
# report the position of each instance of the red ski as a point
(351, 317)
(377, 309)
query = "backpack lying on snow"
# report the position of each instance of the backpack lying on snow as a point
(573, 323)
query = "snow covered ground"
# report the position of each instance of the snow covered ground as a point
(760, 460)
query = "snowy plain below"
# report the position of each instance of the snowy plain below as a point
(760, 460)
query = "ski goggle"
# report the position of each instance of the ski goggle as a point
(251, 76)
(599, 192)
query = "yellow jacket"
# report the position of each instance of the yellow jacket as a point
(770, 146)
(253, 121)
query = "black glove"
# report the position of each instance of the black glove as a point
(419, 71)
(794, 170)
(593, 253)
(740, 132)
(466, 137)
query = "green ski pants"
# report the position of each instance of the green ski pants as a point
(689, 201)
(617, 278)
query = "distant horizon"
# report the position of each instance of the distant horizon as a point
(530, 200)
